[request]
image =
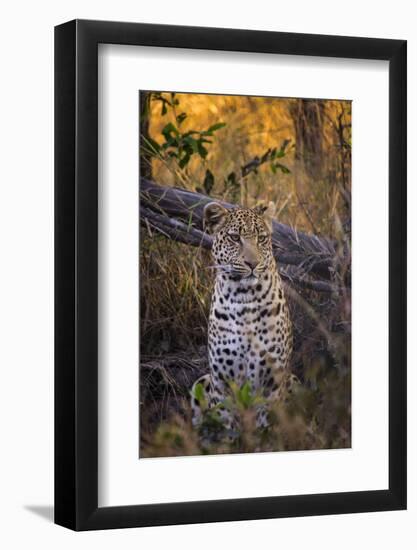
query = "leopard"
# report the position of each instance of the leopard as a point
(250, 333)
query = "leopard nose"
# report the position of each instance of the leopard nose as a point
(252, 263)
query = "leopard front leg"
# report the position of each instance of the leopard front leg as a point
(277, 388)
(205, 395)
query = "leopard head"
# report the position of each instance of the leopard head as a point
(242, 243)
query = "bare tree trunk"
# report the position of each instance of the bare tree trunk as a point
(307, 115)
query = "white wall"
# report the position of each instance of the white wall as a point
(26, 287)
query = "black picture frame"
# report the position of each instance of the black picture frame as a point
(76, 272)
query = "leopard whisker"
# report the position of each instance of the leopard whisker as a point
(222, 267)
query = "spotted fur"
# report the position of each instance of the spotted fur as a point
(249, 332)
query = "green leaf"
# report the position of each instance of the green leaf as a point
(245, 394)
(202, 151)
(199, 392)
(283, 168)
(192, 142)
(285, 144)
(231, 180)
(168, 130)
(180, 118)
(184, 161)
(216, 126)
(275, 154)
(208, 183)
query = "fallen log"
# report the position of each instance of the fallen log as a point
(306, 260)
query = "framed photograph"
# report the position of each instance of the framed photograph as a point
(230, 255)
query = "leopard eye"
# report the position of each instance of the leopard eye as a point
(235, 237)
(262, 238)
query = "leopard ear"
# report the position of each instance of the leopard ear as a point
(268, 214)
(214, 217)
(260, 209)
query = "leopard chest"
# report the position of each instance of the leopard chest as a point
(249, 332)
